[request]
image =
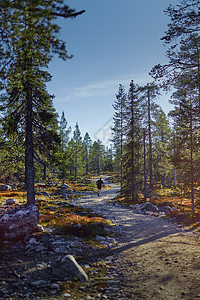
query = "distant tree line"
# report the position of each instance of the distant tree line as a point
(70, 157)
(80, 156)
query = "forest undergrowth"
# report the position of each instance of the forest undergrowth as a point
(61, 217)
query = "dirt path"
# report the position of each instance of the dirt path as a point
(154, 259)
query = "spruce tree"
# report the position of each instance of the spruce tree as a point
(132, 149)
(97, 157)
(63, 149)
(76, 149)
(87, 142)
(118, 132)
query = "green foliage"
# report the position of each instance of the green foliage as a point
(132, 149)
(97, 157)
(29, 36)
(87, 143)
(76, 149)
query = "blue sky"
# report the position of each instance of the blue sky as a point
(113, 42)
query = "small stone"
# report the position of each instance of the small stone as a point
(66, 295)
(55, 286)
(5, 187)
(38, 282)
(4, 291)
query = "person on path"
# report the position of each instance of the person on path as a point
(99, 184)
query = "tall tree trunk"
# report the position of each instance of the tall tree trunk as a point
(150, 144)
(191, 162)
(98, 168)
(75, 166)
(174, 157)
(87, 163)
(145, 173)
(121, 148)
(133, 177)
(29, 165)
(44, 171)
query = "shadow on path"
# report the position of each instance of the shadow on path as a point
(133, 229)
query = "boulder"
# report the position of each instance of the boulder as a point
(5, 187)
(165, 209)
(10, 201)
(147, 206)
(66, 268)
(18, 221)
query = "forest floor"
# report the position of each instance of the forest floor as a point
(143, 257)
(154, 258)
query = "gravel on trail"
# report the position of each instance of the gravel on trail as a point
(154, 258)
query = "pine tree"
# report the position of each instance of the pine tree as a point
(149, 108)
(184, 58)
(185, 19)
(186, 121)
(183, 73)
(28, 38)
(162, 140)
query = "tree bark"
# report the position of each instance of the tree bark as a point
(29, 165)
(150, 144)
(191, 162)
(145, 175)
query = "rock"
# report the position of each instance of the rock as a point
(147, 206)
(5, 187)
(60, 247)
(66, 295)
(166, 203)
(18, 221)
(100, 238)
(67, 268)
(39, 283)
(165, 209)
(4, 291)
(65, 186)
(10, 201)
(39, 228)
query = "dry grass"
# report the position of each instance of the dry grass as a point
(57, 213)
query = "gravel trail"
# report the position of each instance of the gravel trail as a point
(154, 258)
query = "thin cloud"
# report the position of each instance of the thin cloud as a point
(100, 88)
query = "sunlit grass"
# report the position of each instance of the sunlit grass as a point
(70, 220)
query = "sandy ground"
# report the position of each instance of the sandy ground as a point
(156, 259)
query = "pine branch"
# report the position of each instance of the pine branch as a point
(66, 15)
